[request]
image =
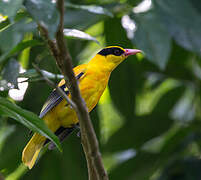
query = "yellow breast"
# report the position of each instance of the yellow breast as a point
(91, 86)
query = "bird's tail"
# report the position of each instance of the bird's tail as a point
(32, 149)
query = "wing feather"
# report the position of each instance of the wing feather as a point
(54, 99)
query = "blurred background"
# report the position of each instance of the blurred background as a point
(148, 122)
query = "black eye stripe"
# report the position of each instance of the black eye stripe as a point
(113, 50)
(117, 52)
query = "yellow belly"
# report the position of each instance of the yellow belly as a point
(64, 115)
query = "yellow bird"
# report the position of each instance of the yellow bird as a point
(58, 115)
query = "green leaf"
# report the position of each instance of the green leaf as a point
(20, 47)
(28, 119)
(9, 37)
(23, 45)
(182, 21)
(10, 73)
(80, 19)
(9, 8)
(154, 40)
(13, 34)
(90, 8)
(76, 34)
(45, 13)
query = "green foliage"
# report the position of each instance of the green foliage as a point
(49, 16)
(10, 72)
(27, 118)
(153, 39)
(10, 8)
(157, 95)
(182, 22)
(12, 35)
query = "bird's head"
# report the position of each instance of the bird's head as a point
(112, 56)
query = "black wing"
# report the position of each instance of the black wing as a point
(54, 98)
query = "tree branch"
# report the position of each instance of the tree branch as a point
(89, 141)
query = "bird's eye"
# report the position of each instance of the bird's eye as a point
(117, 52)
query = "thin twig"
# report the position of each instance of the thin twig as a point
(52, 84)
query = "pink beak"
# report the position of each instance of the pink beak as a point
(129, 52)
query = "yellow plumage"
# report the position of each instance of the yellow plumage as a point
(93, 79)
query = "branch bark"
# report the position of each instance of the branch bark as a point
(90, 145)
